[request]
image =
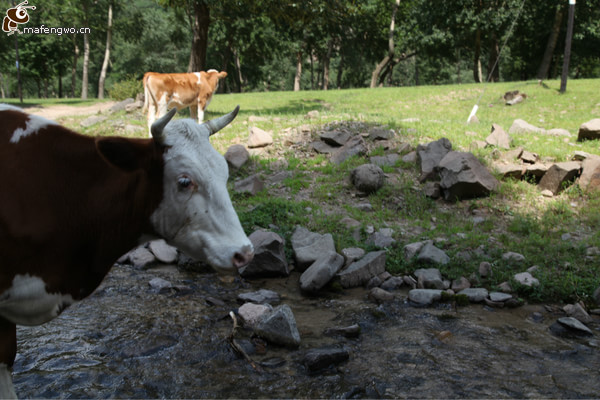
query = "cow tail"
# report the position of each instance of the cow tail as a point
(146, 95)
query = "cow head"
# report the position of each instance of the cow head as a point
(196, 214)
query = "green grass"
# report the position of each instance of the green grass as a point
(317, 194)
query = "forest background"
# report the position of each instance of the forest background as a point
(269, 45)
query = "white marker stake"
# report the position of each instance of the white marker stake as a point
(473, 112)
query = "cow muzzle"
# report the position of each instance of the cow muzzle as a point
(243, 257)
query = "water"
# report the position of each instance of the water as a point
(127, 341)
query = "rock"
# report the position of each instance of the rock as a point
(424, 296)
(460, 284)
(269, 256)
(536, 171)
(500, 297)
(351, 331)
(360, 272)
(429, 156)
(590, 174)
(463, 177)
(279, 327)
(526, 279)
(485, 269)
(141, 257)
(510, 170)
(385, 161)
(589, 130)
(322, 147)
(312, 114)
(529, 157)
(431, 254)
(513, 257)
(381, 239)
(516, 100)
(335, 138)
(236, 156)
(318, 359)
(353, 147)
(162, 251)
(498, 137)
(380, 295)
(352, 254)
(160, 285)
(393, 283)
(252, 313)
(429, 278)
(92, 120)
(558, 132)
(257, 118)
(349, 222)
(121, 105)
(558, 175)
(412, 249)
(520, 126)
(262, 296)
(367, 178)
(259, 138)
(134, 106)
(475, 295)
(410, 158)
(310, 246)
(432, 190)
(379, 133)
(321, 272)
(575, 324)
(251, 185)
(578, 312)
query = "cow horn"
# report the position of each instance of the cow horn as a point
(157, 127)
(215, 125)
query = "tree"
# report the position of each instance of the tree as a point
(390, 55)
(106, 53)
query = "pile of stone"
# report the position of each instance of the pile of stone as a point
(551, 177)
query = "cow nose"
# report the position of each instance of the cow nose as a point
(243, 257)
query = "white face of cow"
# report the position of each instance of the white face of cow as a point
(196, 214)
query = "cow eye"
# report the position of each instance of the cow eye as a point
(184, 182)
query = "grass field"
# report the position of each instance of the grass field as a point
(552, 233)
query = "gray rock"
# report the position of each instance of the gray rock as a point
(322, 147)
(322, 358)
(309, 246)
(509, 170)
(160, 285)
(529, 157)
(279, 327)
(578, 312)
(410, 158)
(424, 296)
(526, 279)
(511, 256)
(485, 269)
(335, 138)
(558, 132)
(141, 257)
(429, 156)
(367, 178)
(590, 174)
(536, 170)
(498, 137)
(412, 249)
(360, 272)
(500, 297)
(259, 138)
(251, 185)
(521, 126)
(92, 120)
(460, 284)
(380, 295)
(381, 239)
(321, 272)
(353, 147)
(379, 133)
(475, 295)
(351, 331)
(252, 313)
(432, 190)
(393, 283)
(262, 296)
(236, 156)
(269, 256)
(121, 105)
(596, 295)
(464, 177)
(134, 106)
(388, 160)
(162, 251)
(558, 175)
(432, 255)
(574, 323)
(352, 254)
(589, 130)
(429, 278)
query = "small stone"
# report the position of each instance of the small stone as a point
(318, 359)
(279, 327)
(513, 257)
(160, 285)
(352, 254)
(162, 251)
(485, 269)
(380, 295)
(236, 156)
(351, 331)
(460, 284)
(262, 296)
(259, 138)
(500, 297)
(526, 279)
(475, 295)
(574, 323)
(424, 296)
(252, 313)
(367, 178)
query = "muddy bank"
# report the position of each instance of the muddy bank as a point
(130, 341)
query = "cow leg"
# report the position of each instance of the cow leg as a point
(194, 113)
(8, 352)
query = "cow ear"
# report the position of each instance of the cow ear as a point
(120, 152)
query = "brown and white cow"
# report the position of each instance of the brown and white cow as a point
(70, 205)
(165, 91)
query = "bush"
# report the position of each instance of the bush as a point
(129, 87)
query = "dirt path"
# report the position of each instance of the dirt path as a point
(62, 110)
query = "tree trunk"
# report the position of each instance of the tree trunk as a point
(298, 71)
(106, 54)
(312, 70)
(2, 85)
(551, 45)
(326, 65)
(74, 66)
(238, 70)
(390, 56)
(86, 54)
(340, 71)
(493, 66)
(477, 74)
(199, 36)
